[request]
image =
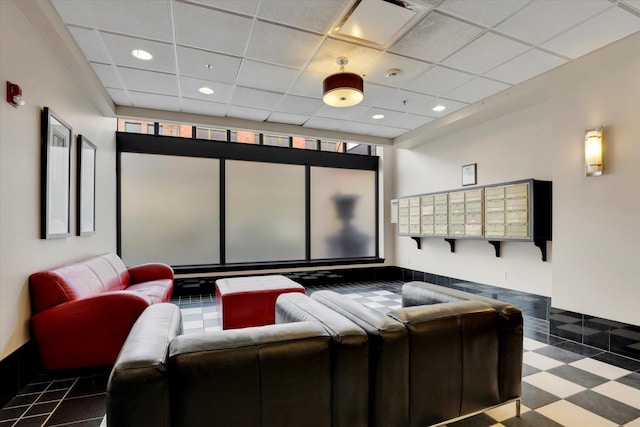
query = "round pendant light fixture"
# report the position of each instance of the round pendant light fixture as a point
(343, 89)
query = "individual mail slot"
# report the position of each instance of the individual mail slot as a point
(414, 210)
(427, 228)
(414, 219)
(494, 227)
(494, 233)
(474, 206)
(515, 217)
(414, 201)
(427, 219)
(494, 193)
(456, 219)
(427, 210)
(456, 197)
(403, 211)
(519, 190)
(474, 218)
(440, 199)
(472, 196)
(495, 218)
(441, 219)
(456, 208)
(456, 230)
(403, 229)
(415, 228)
(403, 203)
(517, 230)
(473, 230)
(441, 209)
(441, 229)
(495, 205)
(519, 204)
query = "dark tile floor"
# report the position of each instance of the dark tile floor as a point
(564, 383)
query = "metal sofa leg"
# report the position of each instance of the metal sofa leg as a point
(518, 408)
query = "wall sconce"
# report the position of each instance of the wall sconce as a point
(593, 151)
(14, 95)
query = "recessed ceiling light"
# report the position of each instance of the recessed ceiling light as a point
(377, 116)
(141, 54)
(206, 90)
(439, 108)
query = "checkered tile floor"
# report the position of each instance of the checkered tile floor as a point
(564, 383)
(560, 387)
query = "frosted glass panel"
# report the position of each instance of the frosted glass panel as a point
(343, 213)
(265, 212)
(170, 209)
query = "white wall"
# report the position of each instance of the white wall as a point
(593, 260)
(26, 60)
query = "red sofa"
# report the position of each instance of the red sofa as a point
(82, 312)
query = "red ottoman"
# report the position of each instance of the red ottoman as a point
(251, 301)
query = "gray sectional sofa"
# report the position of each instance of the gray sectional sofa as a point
(328, 361)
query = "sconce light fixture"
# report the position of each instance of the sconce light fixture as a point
(343, 89)
(593, 151)
(14, 95)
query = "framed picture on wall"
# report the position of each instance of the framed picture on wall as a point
(55, 176)
(469, 174)
(86, 202)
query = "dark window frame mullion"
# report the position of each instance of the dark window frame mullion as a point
(307, 201)
(223, 213)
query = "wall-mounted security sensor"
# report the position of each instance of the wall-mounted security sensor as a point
(14, 95)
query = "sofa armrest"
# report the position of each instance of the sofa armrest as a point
(274, 375)
(138, 390)
(88, 331)
(388, 358)
(149, 272)
(511, 329)
(454, 359)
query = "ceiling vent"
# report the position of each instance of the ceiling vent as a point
(380, 22)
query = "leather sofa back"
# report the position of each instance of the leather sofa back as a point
(453, 359)
(510, 327)
(268, 376)
(350, 347)
(77, 280)
(388, 359)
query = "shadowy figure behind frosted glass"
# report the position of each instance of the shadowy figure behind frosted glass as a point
(349, 242)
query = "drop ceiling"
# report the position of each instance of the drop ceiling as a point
(266, 59)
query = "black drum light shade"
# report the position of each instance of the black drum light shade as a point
(343, 90)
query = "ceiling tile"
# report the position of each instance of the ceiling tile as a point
(435, 37)
(394, 119)
(155, 101)
(149, 81)
(247, 113)
(438, 80)
(280, 45)
(192, 62)
(373, 94)
(367, 116)
(246, 7)
(120, 16)
(247, 97)
(485, 53)
(287, 118)
(450, 107)
(325, 61)
(108, 76)
(475, 90)
(525, 66)
(346, 113)
(486, 12)
(322, 123)
(633, 3)
(544, 19)
(120, 47)
(359, 128)
(196, 106)
(388, 132)
(314, 15)
(259, 75)
(309, 85)
(189, 88)
(211, 30)
(119, 96)
(606, 28)
(408, 102)
(298, 104)
(91, 45)
(376, 72)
